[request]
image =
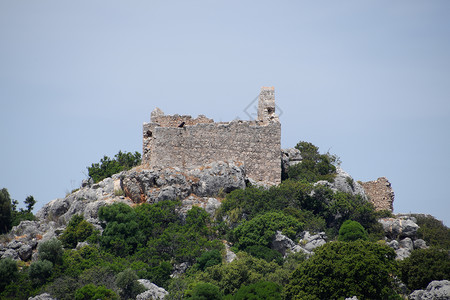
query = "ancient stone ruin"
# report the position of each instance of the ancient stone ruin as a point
(185, 142)
(380, 193)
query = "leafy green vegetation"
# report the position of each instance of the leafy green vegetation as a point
(352, 231)
(424, 266)
(9, 214)
(314, 166)
(184, 252)
(122, 161)
(342, 269)
(433, 231)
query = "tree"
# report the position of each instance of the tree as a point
(8, 272)
(352, 231)
(51, 250)
(433, 231)
(261, 229)
(345, 269)
(204, 291)
(127, 282)
(5, 211)
(78, 230)
(40, 271)
(261, 290)
(107, 166)
(424, 266)
(30, 202)
(93, 292)
(208, 259)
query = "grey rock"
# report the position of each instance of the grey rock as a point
(282, 243)
(212, 206)
(290, 157)
(81, 245)
(153, 291)
(352, 298)
(10, 253)
(436, 290)
(345, 183)
(402, 253)
(407, 243)
(14, 245)
(400, 227)
(420, 244)
(179, 269)
(44, 296)
(25, 252)
(229, 255)
(310, 242)
(394, 244)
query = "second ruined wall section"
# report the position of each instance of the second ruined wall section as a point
(252, 143)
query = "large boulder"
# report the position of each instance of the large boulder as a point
(282, 243)
(156, 185)
(436, 290)
(153, 291)
(343, 182)
(44, 296)
(400, 227)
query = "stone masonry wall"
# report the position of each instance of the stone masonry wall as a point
(380, 193)
(185, 142)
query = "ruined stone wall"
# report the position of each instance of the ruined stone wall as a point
(256, 146)
(380, 193)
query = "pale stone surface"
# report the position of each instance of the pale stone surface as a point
(436, 290)
(380, 193)
(44, 296)
(401, 226)
(153, 291)
(343, 182)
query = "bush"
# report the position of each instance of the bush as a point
(352, 231)
(92, 292)
(260, 290)
(51, 250)
(8, 272)
(314, 166)
(107, 166)
(208, 259)
(265, 253)
(40, 271)
(204, 291)
(122, 234)
(78, 230)
(345, 269)
(261, 229)
(127, 282)
(424, 266)
(433, 231)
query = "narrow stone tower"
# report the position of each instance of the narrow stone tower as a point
(266, 105)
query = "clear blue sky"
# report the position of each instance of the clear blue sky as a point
(367, 80)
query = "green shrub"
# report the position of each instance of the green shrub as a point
(92, 292)
(260, 290)
(433, 231)
(208, 259)
(205, 291)
(127, 282)
(122, 234)
(261, 229)
(244, 270)
(107, 166)
(424, 266)
(40, 271)
(265, 253)
(78, 230)
(51, 250)
(8, 272)
(345, 269)
(314, 166)
(352, 231)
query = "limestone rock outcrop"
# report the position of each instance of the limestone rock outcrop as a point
(307, 243)
(154, 185)
(153, 291)
(343, 182)
(436, 290)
